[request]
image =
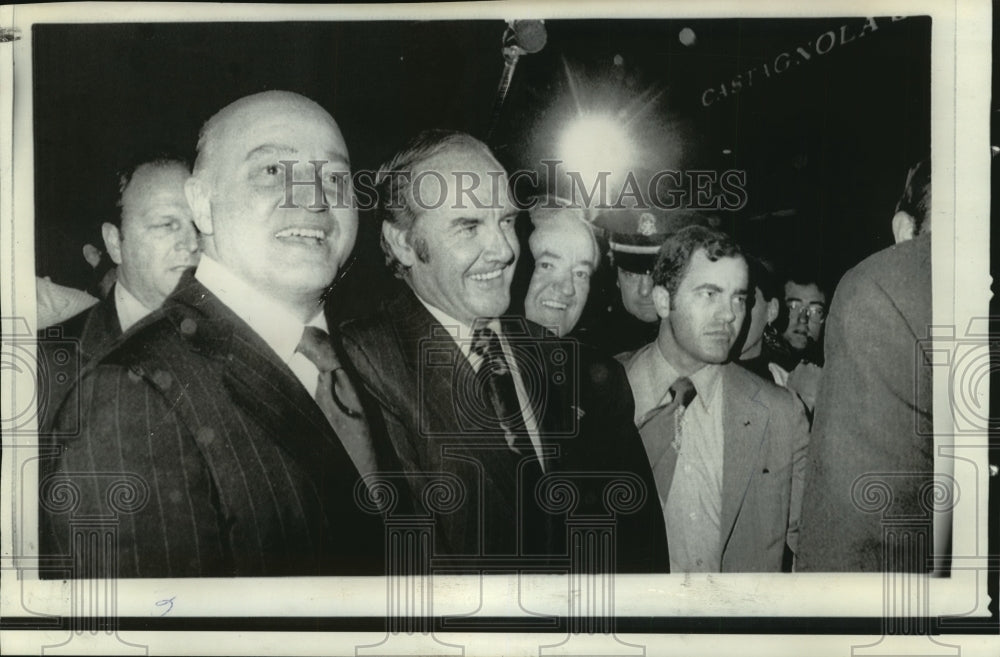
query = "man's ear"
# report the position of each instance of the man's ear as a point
(773, 308)
(92, 255)
(399, 241)
(199, 196)
(112, 241)
(903, 226)
(661, 301)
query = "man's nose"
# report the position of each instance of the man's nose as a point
(566, 287)
(187, 239)
(645, 285)
(725, 311)
(499, 247)
(311, 197)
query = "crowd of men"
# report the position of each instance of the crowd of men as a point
(263, 439)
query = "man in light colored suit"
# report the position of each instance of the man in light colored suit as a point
(206, 429)
(874, 419)
(727, 448)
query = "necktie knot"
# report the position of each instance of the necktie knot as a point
(683, 391)
(316, 346)
(486, 344)
(483, 341)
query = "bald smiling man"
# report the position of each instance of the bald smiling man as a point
(213, 415)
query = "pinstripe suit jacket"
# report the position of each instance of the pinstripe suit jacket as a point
(583, 405)
(234, 469)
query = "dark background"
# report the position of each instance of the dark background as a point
(826, 144)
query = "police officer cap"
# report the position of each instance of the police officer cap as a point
(635, 235)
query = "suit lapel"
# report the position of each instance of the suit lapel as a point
(101, 330)
(657, 435)
(444, 379)
(434, 361)
(745, 421)
(258, 382)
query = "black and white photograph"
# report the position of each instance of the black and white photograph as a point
(497, 329)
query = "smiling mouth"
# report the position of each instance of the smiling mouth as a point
(307, 236)
(487, 276)
(554, 305)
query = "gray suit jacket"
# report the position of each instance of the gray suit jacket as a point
(764, 462)
(872, 451)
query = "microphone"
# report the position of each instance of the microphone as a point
(520, 38)
(528, 36)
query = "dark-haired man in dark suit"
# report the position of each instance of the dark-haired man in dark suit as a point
(496, 403)
(152, 242)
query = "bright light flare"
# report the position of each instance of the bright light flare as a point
(595, 143)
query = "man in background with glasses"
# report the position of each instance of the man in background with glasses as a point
(806, 302)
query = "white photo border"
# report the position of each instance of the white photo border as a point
(960, 106)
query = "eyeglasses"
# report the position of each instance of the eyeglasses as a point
(814, 312)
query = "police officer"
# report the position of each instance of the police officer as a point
(634, 236)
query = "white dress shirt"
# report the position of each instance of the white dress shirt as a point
(278, 327)
(692, 507)
(130, 310)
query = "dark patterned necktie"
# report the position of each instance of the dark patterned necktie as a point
(498, 384)
(662, 424)
(338, 399)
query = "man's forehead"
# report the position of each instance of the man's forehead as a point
(456, 176)
(701, 267)
(809, 292)
(279, 125)
(155, 179)
(461, 157)
(561, 235)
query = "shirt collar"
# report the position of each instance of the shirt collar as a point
(705, 380)
(130, 310)
(279, 328)
(460, 332)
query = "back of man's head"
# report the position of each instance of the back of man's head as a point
(763, 277)
(913, 210)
